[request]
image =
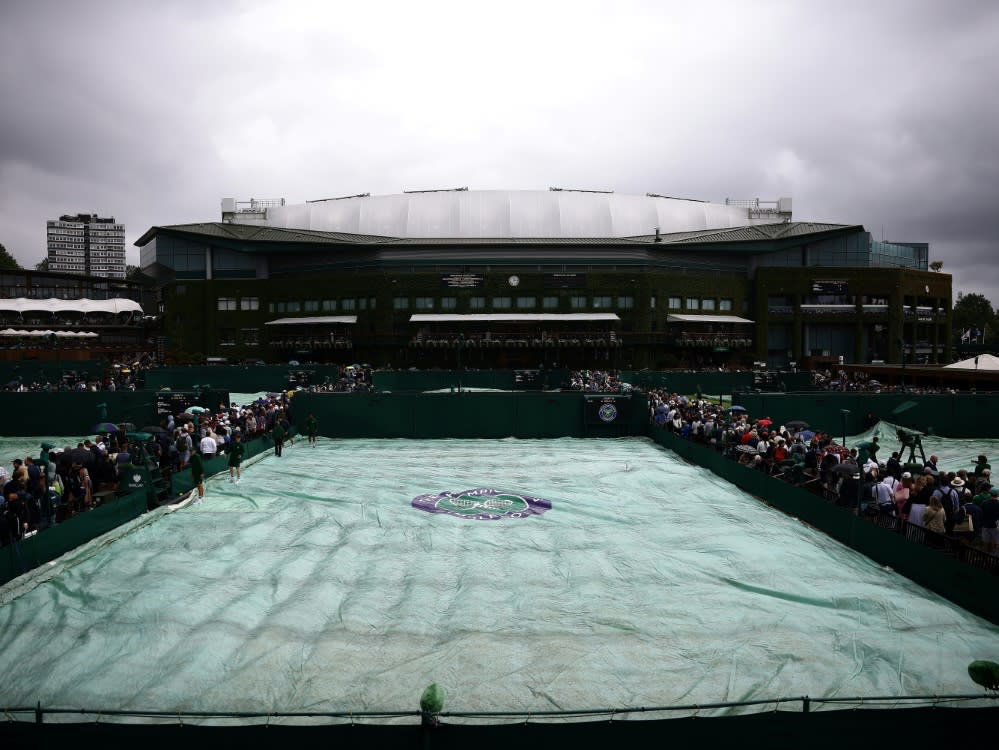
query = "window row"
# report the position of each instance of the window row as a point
(699, 303)
(552, 302)
(577, 302)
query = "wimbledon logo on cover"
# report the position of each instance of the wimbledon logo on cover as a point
(482, 504)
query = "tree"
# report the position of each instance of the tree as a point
(42, 265)
(972, 312)
(7, 261)
(936, 265)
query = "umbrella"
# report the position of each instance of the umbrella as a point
(197, 409)
(736, 408)
(81, 456)
(807, 434)
(797, 424)
(185, 416)
(105, 427)
(154, 429)
(845, 469)
(765, 422)
(746, 449)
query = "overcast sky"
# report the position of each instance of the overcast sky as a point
(871, 112)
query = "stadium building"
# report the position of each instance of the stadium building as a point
(556, 278)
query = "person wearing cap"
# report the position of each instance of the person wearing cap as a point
(988, 521)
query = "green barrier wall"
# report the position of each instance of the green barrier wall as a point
(20, 557)
(459, 415)
(247, 379)
(69, 413)
(689, 383)
(965, 415)
(969, 587)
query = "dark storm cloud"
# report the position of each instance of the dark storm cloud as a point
(878, 114)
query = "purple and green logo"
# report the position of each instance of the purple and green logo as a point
(483, 504)
(607, 412)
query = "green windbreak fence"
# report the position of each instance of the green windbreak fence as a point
(471, 415)
(66, 413)
(28, 554)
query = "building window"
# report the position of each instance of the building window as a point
(348, 304)
(249, 303)
(329, 305)
(227, 303)
(476, 303)
(693, 303)
(311, 305)
(674, 303)
(294, 307)
(180, 290)
(449, 303)
(652, 302)
(502, 303)
(601, 303)
(371, 302)
(250, 336)
(362, 303)
(725, 304)
(424, 303)
(626, 302)
(577, 302)
(400, 303)
(550, 303)
(227, 337)
(707, 304)
(527, 303)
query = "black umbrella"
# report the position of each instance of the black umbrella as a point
(845, 469)
(797, 424)
(81, 456)
(154, 429)
(746, 448)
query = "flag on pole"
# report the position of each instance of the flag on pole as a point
(966, 336)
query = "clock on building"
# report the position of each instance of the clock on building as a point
(514, 280)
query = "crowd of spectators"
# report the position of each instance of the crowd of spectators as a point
(960, 505)
(859, 381)
(41, 492)
(122, 374)
(351, 379)
(596, 381)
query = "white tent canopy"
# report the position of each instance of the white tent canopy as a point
(52, 305)
(982, 363)
(39, 334)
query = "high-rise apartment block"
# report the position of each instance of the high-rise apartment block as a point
(87, 244)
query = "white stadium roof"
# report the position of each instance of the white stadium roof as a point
(534, 214)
